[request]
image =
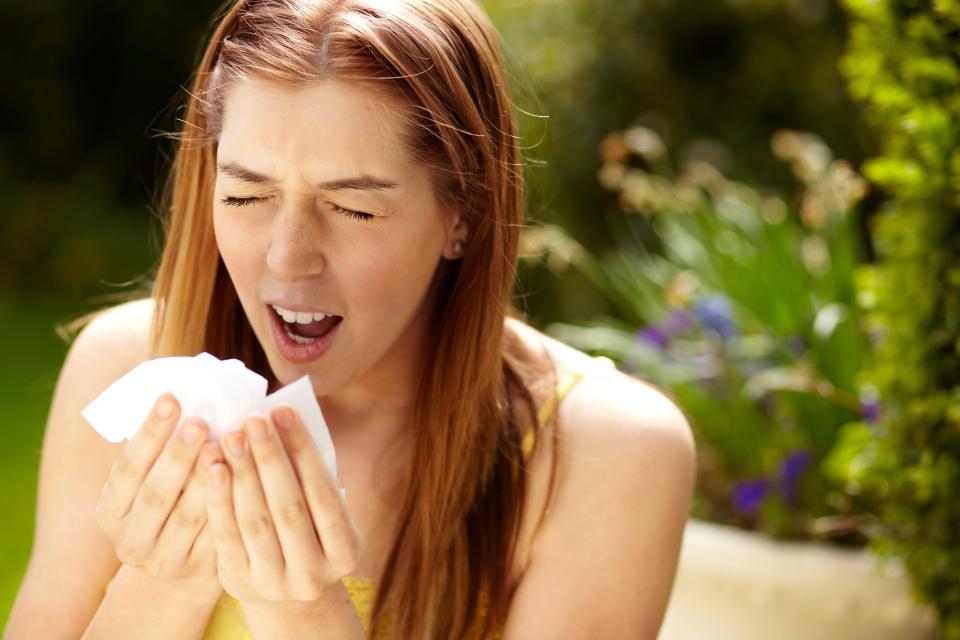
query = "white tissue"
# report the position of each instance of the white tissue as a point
(222, 392)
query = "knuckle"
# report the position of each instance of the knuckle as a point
(130, 552)
(239, 473)
(309, 589)
(125, 467)
(186, 519)
(157, 430)
(298, 441)
(344, 566)
(183, 454)
(158, 567)
(327, 497)
(268, 456)
(151, 497)
(256, 525)
(292, 513)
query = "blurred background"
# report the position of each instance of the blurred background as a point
(695, 198)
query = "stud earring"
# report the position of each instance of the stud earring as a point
(458, 247)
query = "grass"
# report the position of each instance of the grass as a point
(33, 355)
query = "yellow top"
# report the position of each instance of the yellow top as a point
(227, 621)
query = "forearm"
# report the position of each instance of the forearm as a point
(139, 606)
(333, 617)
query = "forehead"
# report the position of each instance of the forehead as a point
(267, 124)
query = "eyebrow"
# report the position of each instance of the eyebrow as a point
(359, 183)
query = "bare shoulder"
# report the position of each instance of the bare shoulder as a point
(115, 341)
(69, 549)
(625, 477)
(606, 400)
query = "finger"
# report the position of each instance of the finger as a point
(222, 522)
(288, 507)
(250, 506)
(134, 462)
(189, 514)
(339, 538)
(161, 488)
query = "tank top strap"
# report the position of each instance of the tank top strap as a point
(568, 382)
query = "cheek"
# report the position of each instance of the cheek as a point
(237, 244)
(392, 278)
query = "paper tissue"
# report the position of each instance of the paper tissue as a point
(222, 392)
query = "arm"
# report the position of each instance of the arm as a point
(72, 559)
(603, 564)
(333, 618)
(69, 551)
(138, 605)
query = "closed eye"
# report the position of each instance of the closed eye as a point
(234, 201)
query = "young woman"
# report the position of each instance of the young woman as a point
(345, 203)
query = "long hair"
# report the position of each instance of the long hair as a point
(456, 536)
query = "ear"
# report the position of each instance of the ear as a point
(455, 227)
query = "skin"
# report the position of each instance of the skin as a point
(284, 232)
(282, 534)
(368, 255)
(294, 244)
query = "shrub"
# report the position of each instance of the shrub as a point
(902, 62)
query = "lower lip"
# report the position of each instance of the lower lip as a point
(300, 353)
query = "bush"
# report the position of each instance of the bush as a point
(902, 62)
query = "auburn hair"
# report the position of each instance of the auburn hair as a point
(446, 575)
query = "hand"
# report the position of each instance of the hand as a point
(154, 509)
(281, 528)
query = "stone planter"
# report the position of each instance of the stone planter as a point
(740, 585)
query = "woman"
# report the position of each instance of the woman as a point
(345, 202)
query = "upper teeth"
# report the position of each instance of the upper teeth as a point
(300, 317)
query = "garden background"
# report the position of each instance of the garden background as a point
(745, 87)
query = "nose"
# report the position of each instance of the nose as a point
(295, 244)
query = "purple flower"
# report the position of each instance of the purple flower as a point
(715, 313)
(870, 408)
(680, 320)
(654, 335)
(791, 467)
(748, 495)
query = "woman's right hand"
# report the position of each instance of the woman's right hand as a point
(153, 505)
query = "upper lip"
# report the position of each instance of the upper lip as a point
(294, 306)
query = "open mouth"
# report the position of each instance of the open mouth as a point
(305, 333)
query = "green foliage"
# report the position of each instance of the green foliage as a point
(714, 78)
(902, 62)
(742, 306)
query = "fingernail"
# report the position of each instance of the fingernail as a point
(164, 408)
(190, 432)
(258, 430)
(284, 418)
(235, 443)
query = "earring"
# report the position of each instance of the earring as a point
(458, 247)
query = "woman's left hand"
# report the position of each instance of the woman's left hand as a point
(280, 526)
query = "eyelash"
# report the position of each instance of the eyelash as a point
(350, 213)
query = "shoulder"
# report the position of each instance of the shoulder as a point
(607, 403)
(130, 320)
(68, 546)
(626, 440)
(609, 409)
(110, 344)
(625, 478)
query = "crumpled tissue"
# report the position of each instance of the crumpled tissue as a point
(222, 392)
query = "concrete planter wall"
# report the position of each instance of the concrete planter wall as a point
(739, 585)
